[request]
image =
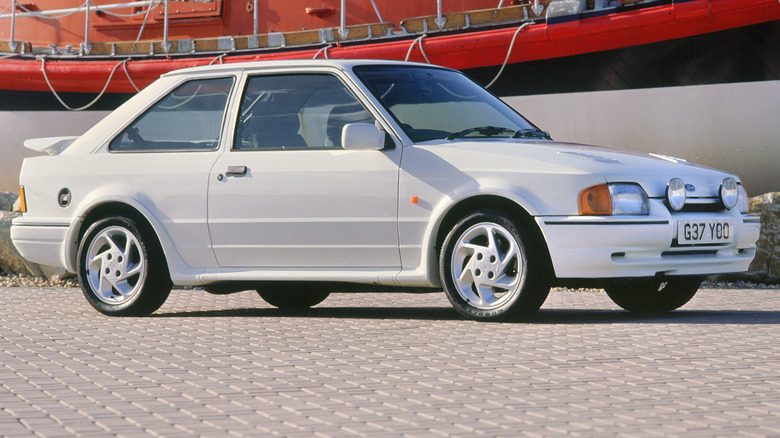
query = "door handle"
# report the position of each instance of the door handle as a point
(236, 171)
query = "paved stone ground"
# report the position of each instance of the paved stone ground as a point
(388, 365)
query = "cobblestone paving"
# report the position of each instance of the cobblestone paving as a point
(388, 365)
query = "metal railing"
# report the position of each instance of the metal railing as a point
(88, 7)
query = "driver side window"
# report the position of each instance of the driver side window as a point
(296, 112)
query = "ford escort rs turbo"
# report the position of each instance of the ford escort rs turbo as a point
(302, 178)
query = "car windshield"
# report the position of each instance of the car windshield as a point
(433, 103)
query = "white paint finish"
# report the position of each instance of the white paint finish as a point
(334, 215)
(441, 174)
(170, 186)
(726, 126)
(583, 247)
(41, 243)
(306, 208)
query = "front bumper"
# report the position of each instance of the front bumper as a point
(644, 246)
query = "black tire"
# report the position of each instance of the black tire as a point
(293, 296)
(505, 279)
(653, 295)
(122, 269)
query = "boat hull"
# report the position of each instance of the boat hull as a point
(464, 49)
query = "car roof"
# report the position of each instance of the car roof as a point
(342, 64)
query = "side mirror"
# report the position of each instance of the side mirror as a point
(362, 137)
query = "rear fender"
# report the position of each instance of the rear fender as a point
(115, 204)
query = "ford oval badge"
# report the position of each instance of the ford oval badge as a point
(690, 188)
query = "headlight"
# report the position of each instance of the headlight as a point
(608, 199)
(743, 204)
(729, 193)
(675, 194)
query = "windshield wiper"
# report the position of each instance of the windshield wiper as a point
(487, 131)
(532, 133)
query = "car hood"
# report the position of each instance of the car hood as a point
(651, 171)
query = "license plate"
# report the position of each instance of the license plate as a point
(704, 231)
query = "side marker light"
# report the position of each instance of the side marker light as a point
(22, 200)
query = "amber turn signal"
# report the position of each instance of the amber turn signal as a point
(22, 200)
(596, 200)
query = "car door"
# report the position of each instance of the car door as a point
(288, 195)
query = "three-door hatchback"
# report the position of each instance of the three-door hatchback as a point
(302, 178)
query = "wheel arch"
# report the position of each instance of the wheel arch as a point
(115, 208)
(478, 202)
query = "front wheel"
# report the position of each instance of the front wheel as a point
(653, 295)
(121, 269)
(491, 268)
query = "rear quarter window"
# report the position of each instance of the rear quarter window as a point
(189, 118)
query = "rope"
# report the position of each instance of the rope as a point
(417, 41)
(146, 17)
(6, 8)
(127, 73)
(38, 14)
(134, 14)
(48, 17)
(508, 52)
(323, 50)
(46, 77)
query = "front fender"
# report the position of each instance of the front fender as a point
(482, 193)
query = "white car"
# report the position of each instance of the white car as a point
(301, 178)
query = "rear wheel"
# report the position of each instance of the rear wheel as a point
(294, 296)
(491, 268)
(121, 269)
(653, 295)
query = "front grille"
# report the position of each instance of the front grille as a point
(697, 206)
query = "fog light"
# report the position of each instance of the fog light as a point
(675, 194)
(729, 193)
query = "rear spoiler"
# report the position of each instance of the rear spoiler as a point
(49, 145)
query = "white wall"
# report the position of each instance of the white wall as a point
(730, 126)
(17, 126)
